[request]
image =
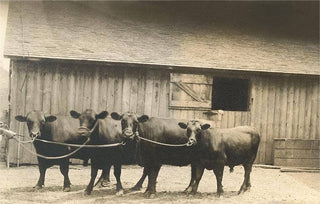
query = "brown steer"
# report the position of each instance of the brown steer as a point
(216, 148)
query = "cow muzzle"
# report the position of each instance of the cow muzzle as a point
(191, 142)
(84, 131)
(34, 135)
(128, 133)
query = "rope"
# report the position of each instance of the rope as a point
(160, 143)
(85, 146)
(58, 157)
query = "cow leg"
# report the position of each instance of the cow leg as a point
(218, 172)
(117, 174)
(94, 172)
(197, 177)
(64, 169)
(152, 180)
(104, 179)
(246, 182)
(42, 170)
(138, 185)
(192, 180)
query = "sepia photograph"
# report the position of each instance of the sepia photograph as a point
(159, 101)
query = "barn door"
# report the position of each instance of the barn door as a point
(190, 91)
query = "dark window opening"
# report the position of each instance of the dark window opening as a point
(230, 94)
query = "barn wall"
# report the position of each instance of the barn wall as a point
(57, 88)
(284, 107)
(280, 107)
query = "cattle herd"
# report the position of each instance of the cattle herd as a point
(147, 141)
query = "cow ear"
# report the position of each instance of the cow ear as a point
(205, 126)
(74, 114)
(21, 118)
(102, 115)
(50, 118)
(182, 125)
(143, 118)
(116, 116)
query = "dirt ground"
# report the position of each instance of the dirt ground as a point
(268, 186)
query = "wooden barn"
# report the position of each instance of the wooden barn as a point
(235, 63)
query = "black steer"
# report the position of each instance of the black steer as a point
(104, 130)
(152, 156)
(53, 128)
(216, 148)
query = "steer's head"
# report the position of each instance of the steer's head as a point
(129, 123)
(35, 121)
(88, 120)
(194, 128)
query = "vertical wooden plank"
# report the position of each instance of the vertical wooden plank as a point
(308, 100)
(168, 95)
(155, 94)
(290, 105)
(38, 78)
(87, 94)
(278, 88)
(63, 91)
(13, 95)
(141, 92)
(110, 91)
(263, 120)
(55, 90)
(148, 93)
(295, 119)
(283, 107)
(118, 96)
(126, 91)
(29, 94)
(302, 108)
(104, 99)
(13, 106)
(256, 97)
(134, 75)
(318, 111)
(270, 120)
(231, 119)
(46, 95)
(224, 120)
(314, 109)
(163, 99)
(78, 94)
(71, 93)
(95, 89)
(237, 118)
(244, 118)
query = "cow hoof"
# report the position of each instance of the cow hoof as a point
(104, 183)
(37, 187)
(120, 192)
(150, 195)
(86, 193)
(66, 189)
(135, 188)
(188, 190)
(220, 194)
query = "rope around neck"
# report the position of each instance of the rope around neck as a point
(58, 157)
(160, 143)
(78, 145)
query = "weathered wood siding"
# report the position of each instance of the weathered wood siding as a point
(284, 107)
(57, 88)
(280, 106)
